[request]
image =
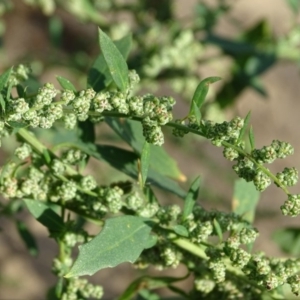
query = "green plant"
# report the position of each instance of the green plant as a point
(49, 173)
(49, 182)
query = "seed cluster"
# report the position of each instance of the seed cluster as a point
(43, 110)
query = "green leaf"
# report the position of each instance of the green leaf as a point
(4, 79)
(152, 241)
(115, 61)
(16, 125)
(195, 111)
(191, 198)
(65, 83)
(145, 161)
(99, 76)
(294, 5)
(2, 103)
(145, 294)
(288, 239)
(150, 283)
(218, 230)
(246, 122)
(126, 161)
(200, 95)
(122, 239)
(251, 138)
(245, 199)
(27, 237)
(132, 133)
(45, 214)
(181, 230)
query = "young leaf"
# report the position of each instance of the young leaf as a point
(122, 239)
(150, 282)
(245, 199)
(99, 76)
(27, 238)
(145, 160)
(251, 138)
(132, 133)
(115, 61)
(218, 230)
(126, 162)
(4, 78)
(2, 103)
(181, 230)
(65, 83)
(45, 214)
(246, 122)
(191, 198)
(200, 95)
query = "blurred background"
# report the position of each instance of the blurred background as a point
(253, 45)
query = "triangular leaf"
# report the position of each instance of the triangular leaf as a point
(45, 214)
(121, 240)
(115, 61)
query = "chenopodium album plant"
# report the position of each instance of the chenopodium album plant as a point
(215, 247)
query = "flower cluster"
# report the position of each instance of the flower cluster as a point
(43, 110)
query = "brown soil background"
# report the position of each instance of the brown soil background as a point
(277, 117)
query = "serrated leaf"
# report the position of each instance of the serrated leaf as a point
(122, 239)
(246, 122)
(181, 230)
(245, 199)
(288, 239)
(251, 138)
(17, 125)
(115, 61)
(191, 198)
(132, 133)
(200, 94)
(27, 237)
(145, 161)
(45, 214)
(4, 78)
(65, 83)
